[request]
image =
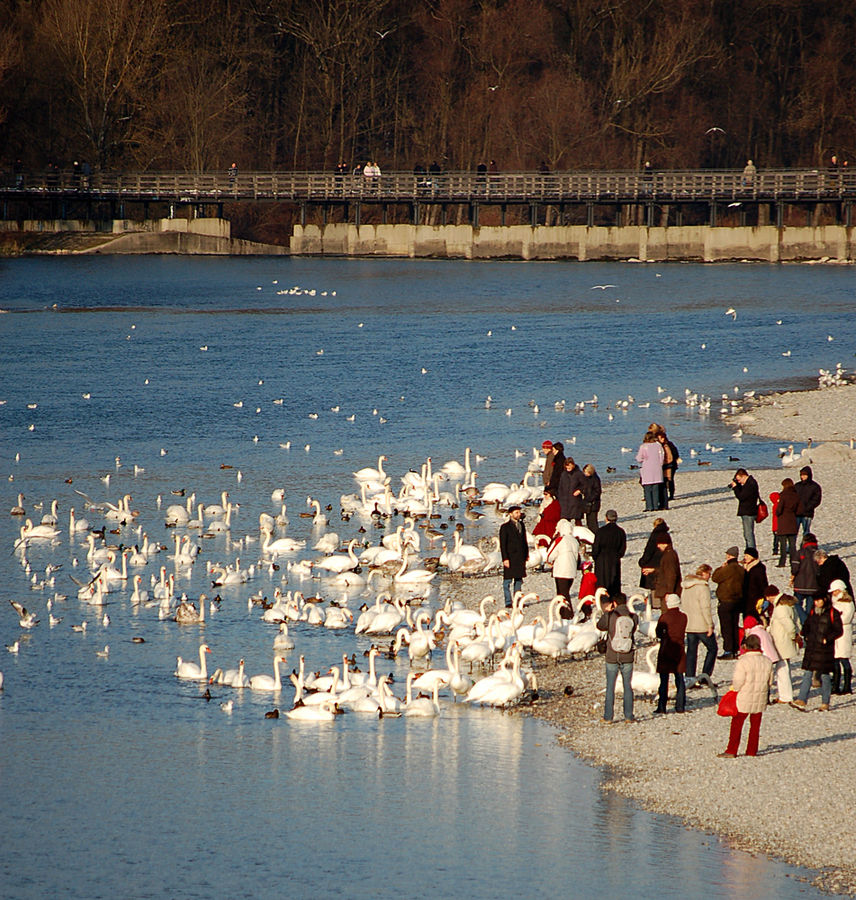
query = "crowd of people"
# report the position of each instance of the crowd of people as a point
(763, 628)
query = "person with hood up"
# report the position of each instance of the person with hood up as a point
(784, 628)
(820, 631)
(830, 567)
(843, 603)
(671, 657)
(650, 558)
(563, 556)
(804, 579)
(786, 524)
(751, 679)
(810, 496)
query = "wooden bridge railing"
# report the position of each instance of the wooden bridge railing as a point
(673, 186)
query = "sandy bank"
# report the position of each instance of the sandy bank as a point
(794, 799)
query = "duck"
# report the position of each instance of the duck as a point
(191, 671)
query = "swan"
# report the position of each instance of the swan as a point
(38, 532)
(367, 613)
(458, 682)
(317, 697)
(188, 614)
(283, 641)
(465, 618)
(281, 545)
(190, 670)
(268, 682)
(18, 509)
(319, 520)
(139, 596)
(421, 706)
(327, 543)
(385, 621)
(339, 562)
(337, 617)
(369, 474)
(238, 679)
(420, 642)
(176, 514)
(218, 510)
(454, 470)
(51, 517)
(414, 576)
(502, 687)
(643, 682)
(323, 712)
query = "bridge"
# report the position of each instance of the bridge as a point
(66, 192)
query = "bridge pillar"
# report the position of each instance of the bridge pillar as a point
(848, 213)
(357, 214)
(679, 216)
(712, 221)
(780, 214)
(474, 214)
(302, 213)
(533, 213)
(502, 208)
(649, 215)
(590, 215)
(414, 213)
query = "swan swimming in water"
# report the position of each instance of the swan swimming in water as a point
(192, 672)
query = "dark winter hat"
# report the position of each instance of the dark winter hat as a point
(611, 515)
(733, 551)
(512, 508)
(751, 551)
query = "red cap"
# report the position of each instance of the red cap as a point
(547, 445)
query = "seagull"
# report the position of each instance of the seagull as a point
(25, 619)
(736, 203)
(103, 653)
(226, 706)
(786, 353)
(493, 87)
(383, 34)
(715, 129)
(731, 311)
(14, 648)
(601, 287)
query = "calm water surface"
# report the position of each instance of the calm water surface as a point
(118, 780)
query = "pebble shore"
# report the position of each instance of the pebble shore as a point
(795, 799)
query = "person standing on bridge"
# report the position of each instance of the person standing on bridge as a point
(233, 175)
(749, 173)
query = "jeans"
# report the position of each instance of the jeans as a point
(652, 496)
(507, 589)
(804, 604)
(749, 531)
(694, 638)
(663, 695)
(612, 670)
(825, 685)
(737, 729)
(804, 524)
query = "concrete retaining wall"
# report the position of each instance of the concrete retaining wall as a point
(766, 243)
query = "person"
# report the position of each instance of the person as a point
(829, 567)
(751, 625)
(481, 176)
(749, 173)
(593, 491)
(774, 502)
(620, 625)
(695, 602)
(811, 495)
(558, 467)
(667, 577)
(746, 491)
(515, 551)
(549, 457)
(671, 657)
(233, 175)
(670, 463)
(549, 514)
(786, 524)
(563, 555)
(820, 630)
(751, 679)
(571, 495)
(650, 456)
(650, 558)
(607, 550)
(804, 580)
(783, 631)
(843, 603)
(754, 582)
(729, 595)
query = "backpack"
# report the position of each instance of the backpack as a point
(622, 637)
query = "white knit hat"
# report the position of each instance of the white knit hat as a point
(837, 585)
(672, 601)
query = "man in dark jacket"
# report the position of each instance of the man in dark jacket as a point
(810, 494)
(754, 582)
(610, 545)
(618, 659)
(829, 568)
(805, 585)
(729, 594)
(572, 489)
(515, 551)
(667, 578)
(746, 491)
(671, 657)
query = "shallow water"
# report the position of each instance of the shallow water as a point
(119, 780)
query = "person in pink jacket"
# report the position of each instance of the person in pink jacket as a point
(753, 673)
(650, 456)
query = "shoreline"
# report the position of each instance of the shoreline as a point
(790, 800)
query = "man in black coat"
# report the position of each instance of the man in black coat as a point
(754, 581)
(515, 551)
(610, 545)
(572, 491)
(829, 568)
(746, 491)
(810, 494)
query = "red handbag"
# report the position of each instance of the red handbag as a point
(762, 513)
(728, 704)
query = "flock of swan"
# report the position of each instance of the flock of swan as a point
(479, 655)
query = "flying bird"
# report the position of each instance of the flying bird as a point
(715, 129)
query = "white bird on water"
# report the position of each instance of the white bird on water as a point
(731, 311)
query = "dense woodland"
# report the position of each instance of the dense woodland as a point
(303, 84)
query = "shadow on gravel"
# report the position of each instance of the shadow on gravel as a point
(812, 742)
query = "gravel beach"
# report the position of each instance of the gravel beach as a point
(790, 801)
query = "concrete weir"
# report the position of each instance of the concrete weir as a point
(765, 243)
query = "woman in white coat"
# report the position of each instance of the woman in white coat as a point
(563, 555)
(843, 602)
(783, 630)
(752, 676)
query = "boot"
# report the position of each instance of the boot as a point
(845, 682)
(836, 681)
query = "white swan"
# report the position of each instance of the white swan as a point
(31, 532)
(421, 706)
(281, 545)
(190, 670)
(369, 474)
(268, 682)
(319, 520)
(414, 576)
(643, 682)
(323, 712)
(454, 470)
(339, 562)
(283, 641)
